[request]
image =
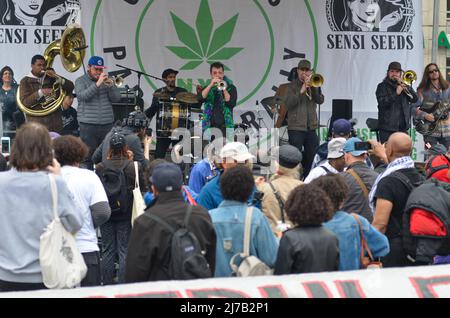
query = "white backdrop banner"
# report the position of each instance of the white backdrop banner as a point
(350, 43)
(411, 282)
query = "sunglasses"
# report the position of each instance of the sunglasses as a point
(432, 71)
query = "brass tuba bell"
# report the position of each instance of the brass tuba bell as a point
(71, 48)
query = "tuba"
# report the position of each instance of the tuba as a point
(71, 47)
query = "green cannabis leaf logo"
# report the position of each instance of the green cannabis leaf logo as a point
(200, 46)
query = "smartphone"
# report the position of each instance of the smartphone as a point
(6, 146)
(363, 145)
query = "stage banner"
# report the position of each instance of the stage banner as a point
(411, 282)
(350, 43)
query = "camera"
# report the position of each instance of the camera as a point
(363, 145)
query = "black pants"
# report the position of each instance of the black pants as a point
(307, 142)
(12, 286)
(93, 135)
(93, 276)
(162, 144)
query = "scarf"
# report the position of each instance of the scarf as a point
(397, 164)
(209, 107)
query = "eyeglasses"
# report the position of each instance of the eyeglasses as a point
(432, 71)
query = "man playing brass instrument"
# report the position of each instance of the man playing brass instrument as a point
(301, 103)
(395, 101)
(95, 111)
(36, 87)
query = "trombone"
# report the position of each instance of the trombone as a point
(409, 77)
(316, 80)
(114, 80)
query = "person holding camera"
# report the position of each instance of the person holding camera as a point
(134, 128)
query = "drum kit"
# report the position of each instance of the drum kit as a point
(175, 112)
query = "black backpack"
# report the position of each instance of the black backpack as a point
(187, 261)
(116, 187)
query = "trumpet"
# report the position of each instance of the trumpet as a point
(409, 77)
(222, 85)
(114, 80)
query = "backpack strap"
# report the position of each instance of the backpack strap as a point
(280, 201)
(364, 245)
(187, 217)
(360, 182)
(189, 196)
(136, 175)
(247, 226)
(326, 169)
(157, 219)
(403, 179)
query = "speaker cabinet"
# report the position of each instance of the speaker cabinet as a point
(342, 108)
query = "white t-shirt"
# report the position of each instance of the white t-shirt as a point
(319, 171)
(88, 190)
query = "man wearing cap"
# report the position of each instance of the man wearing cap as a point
(341, 128)
(231, 155)
(360, 179)
(95, 112)
(134, 129)
(36, 86)
(149, 245)
(301, 103)
(335, 162)
(171, 90)
(277, 190)
(395, 101)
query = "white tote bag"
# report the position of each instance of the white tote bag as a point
(138, 201)
(61, 262)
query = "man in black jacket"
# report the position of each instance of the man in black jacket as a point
(149, 248)
(395, 103)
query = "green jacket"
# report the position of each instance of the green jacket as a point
(302, 111)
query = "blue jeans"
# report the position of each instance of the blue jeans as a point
(115, 237)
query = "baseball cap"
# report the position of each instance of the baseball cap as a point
(167, 177)
(349, 147)
(237, 151)
(168, 71)
(304, 64)
(136, 119)
(341, 127)
(97, 62)
(117, 141)
(289, 156)
(395, 66)
(335, 148)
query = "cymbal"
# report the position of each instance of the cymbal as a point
(186, 97)
(161, 96)
(196, 110)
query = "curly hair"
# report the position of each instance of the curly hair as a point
(237, 183)
(69, 150)
(335, 188)
(308, 205)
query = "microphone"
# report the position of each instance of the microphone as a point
(353, 121)
(81, 48)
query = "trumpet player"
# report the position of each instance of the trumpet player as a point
(301, 103)
(95, 93)
(395, 103)
(37, 86)
(219, 98)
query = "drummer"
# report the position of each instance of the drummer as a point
(164, 94)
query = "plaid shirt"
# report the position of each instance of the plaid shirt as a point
(443, 126)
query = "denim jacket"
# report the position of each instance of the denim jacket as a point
(229, 219)
(345, 227)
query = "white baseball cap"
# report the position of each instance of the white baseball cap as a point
(237, 151)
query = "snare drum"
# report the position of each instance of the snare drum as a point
(172, 115)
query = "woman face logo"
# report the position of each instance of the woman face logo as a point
(29, 7)
(365, 10)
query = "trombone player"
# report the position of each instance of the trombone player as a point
(95, 92)
(302, 97)
(36, 87)
(395, 97)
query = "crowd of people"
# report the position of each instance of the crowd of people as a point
(324, 208)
